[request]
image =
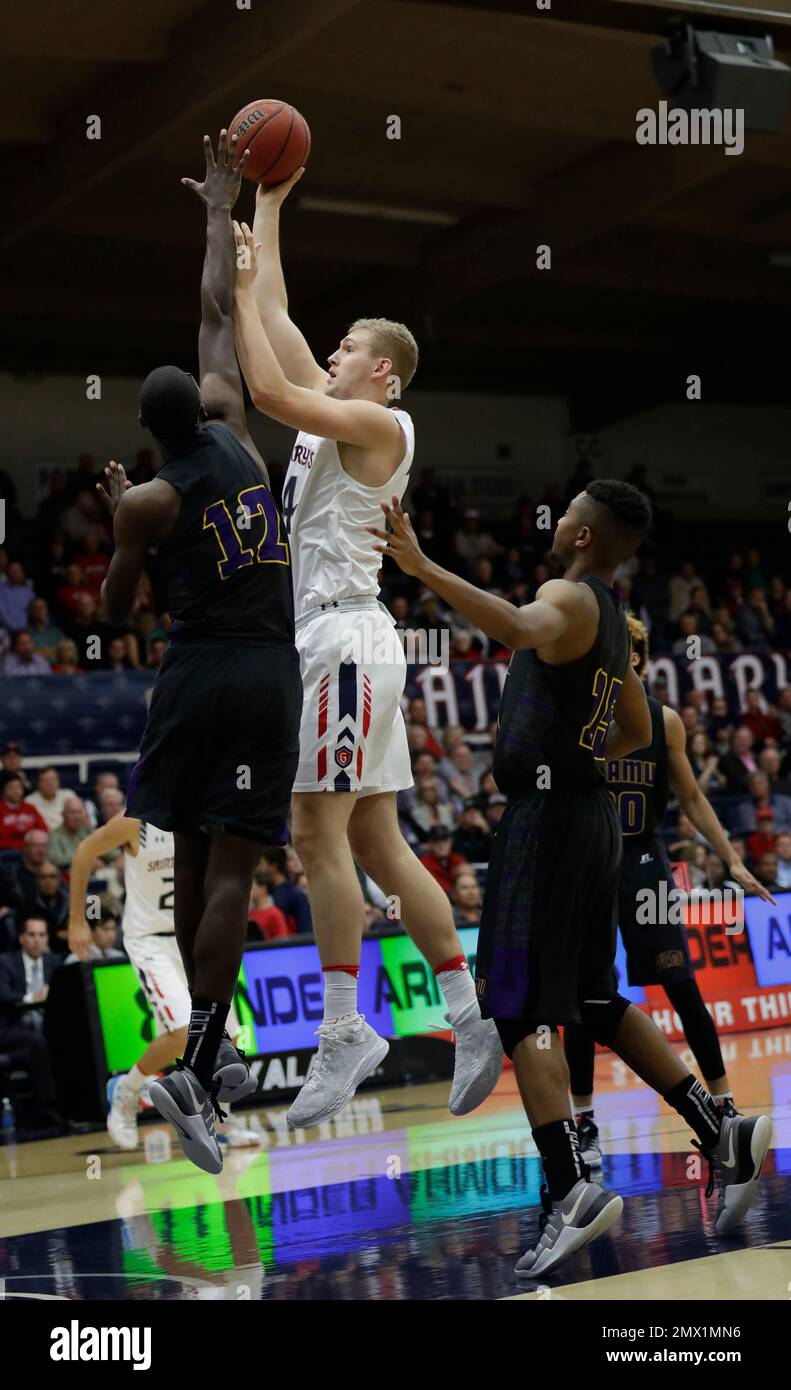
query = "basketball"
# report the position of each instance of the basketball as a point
(276, 135)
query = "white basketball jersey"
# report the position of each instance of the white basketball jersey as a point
(149, 876)
(326, 513)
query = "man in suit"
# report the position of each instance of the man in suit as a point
(18, 877)
(25, 977)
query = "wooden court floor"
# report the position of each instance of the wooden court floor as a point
(396, 1199)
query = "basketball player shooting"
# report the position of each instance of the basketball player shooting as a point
(352, 451)
(546, 948)
(221, 744)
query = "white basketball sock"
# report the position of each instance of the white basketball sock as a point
(458, 988)
(135, 1079)
(340, 996)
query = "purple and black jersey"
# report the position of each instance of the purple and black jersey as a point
(226, 563)
(558, 716)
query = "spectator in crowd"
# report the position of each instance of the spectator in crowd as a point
(49, 798)
(754, 621)
(458, 769)
(25, 976)
(67, 659)
(466, 898)
(116, 657)
(719, 716)
(93, 564)
(681, 586)
(783, 852)
(470, 542)
(102, 782)
(744, 817)
(292, 901)
(46, 634)
(440, 859)
(762, 839)
(267, 919)
(417, 719)
(699, 608)
(765, 870)
(428, 810)
(18, 878)
(692, 643)
(472, 838)
(51, 903)
(66, 837)
(91, 635)
(724, 639)
(111, 803)
(157, 646)
(23, 659)
(704, 763)
(690, 718)
(16, 596)
(431, 495)
(739, 764)
(770, 762)
(17, 816)
(762, 722)
(105, 940)
(68, 595)
(11, 761)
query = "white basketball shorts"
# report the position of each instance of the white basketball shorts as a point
(352, 736)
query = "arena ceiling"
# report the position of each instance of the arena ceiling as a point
(517, 128)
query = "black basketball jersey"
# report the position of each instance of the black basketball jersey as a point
(226, 563)
(640, 783)
(558, 716)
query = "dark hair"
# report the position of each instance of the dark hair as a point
(627, 515)
(276, 857)
(11, 777)
(169, 403)
(23, 926)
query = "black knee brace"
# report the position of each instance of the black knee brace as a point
(513, 1030)
(603, 1017)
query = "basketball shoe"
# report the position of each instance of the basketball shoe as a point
(588, 1135)
(735, 1166)
(587, 1211)
(348, 1053)
(232, 1072)
(122, 1115)
(181, 1099)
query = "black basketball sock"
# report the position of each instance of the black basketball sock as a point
(559, 1148)
(207, 1022)
(698, 1108)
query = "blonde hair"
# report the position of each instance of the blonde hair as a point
(638, 633)
(392, 340)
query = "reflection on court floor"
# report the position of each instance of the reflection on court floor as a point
(396, 1199)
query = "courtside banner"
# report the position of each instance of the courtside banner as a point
(769, 930)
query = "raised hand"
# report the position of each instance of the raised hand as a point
(400, 542)
(272, 195)
(118, 484)
(246, 252)
(223, 179)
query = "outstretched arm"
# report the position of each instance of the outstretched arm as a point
(536, 625)
(700, 811)
(362, 423)
(220, 382)
(269, 289)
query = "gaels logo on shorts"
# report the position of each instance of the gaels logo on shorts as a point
(343, 755)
